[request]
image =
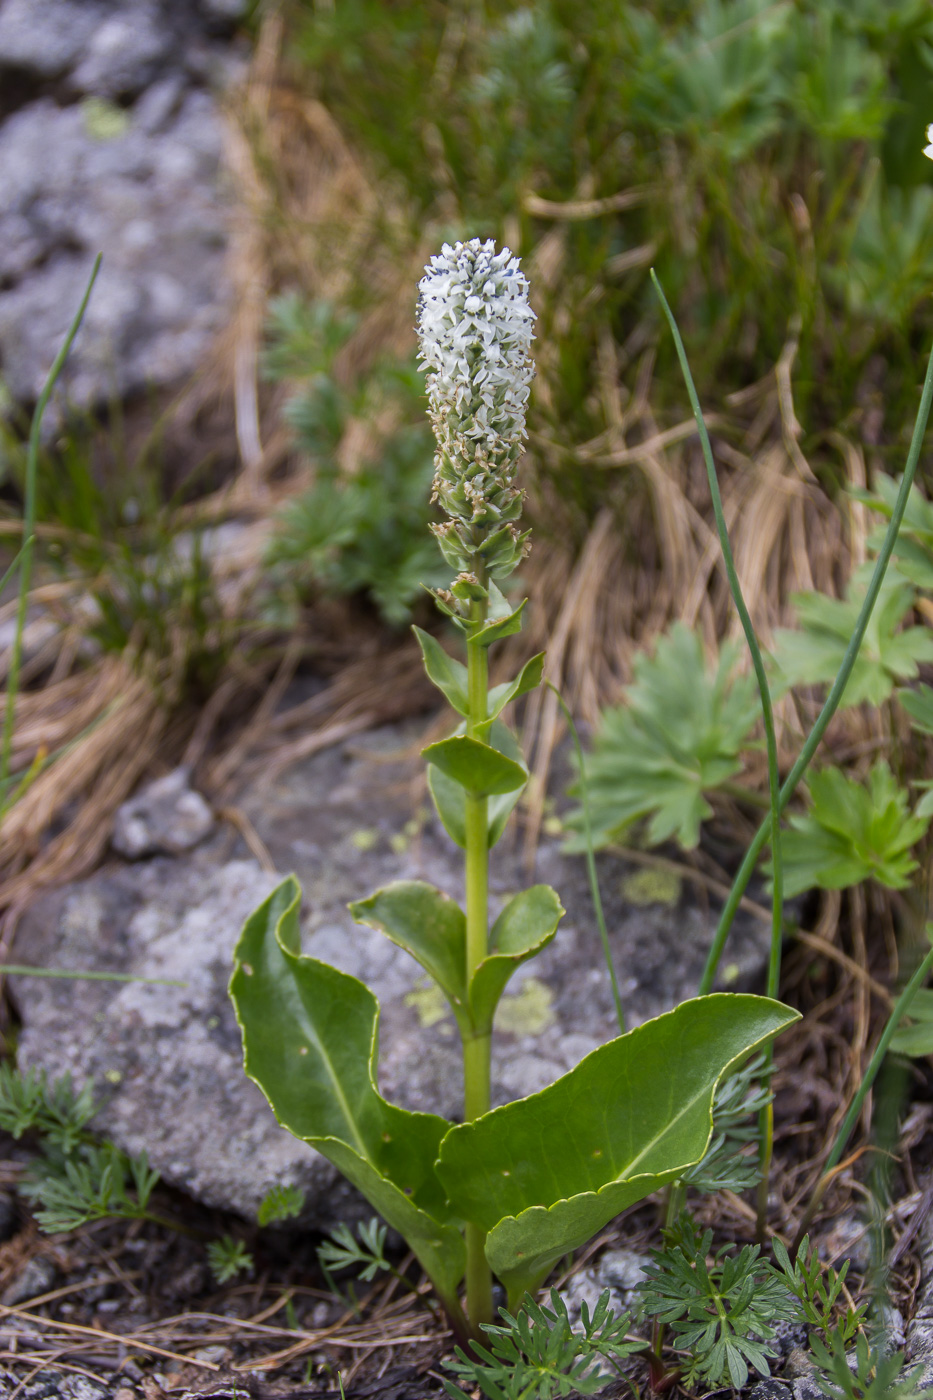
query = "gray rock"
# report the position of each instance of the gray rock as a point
(152, 203)
(140, 183)
(49, 44)
(53, 1384)
(769, 1390)
(37, 1276)
(342, 821)
(920, 1329)
(165, 817)
(124, 53)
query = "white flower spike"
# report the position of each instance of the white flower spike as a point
(928, 149)
(475, 329)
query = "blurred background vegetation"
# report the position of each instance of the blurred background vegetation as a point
(764, 156)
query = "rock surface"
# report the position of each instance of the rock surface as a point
(167, 1061)
(920, 1329)
(110, 141)
(165, 817)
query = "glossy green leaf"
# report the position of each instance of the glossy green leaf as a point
(544, 1174)
(449, 675)
(527, 679)
(480, 770)
(526, 925)
(310, 1036)
(428, 924)
(449, 797)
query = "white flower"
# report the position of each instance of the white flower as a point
(475, 329)
(928, 150)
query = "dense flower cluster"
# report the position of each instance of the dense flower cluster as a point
(475, 331)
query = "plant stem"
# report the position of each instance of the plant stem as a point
(476, 1045)
(835, 695)
(29, 531)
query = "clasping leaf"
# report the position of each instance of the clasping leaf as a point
(479, 769)
(428, 924)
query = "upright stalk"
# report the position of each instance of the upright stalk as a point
(477, 1044)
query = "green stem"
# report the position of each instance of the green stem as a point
(29, 530)
(835, 695)
(476, 1045)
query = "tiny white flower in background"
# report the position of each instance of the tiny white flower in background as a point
(928, 150)
(475, 330)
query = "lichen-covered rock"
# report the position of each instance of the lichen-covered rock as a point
(165, 817)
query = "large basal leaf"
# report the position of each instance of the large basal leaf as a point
(428, 924)
(450, 798)
(526, 925)
(544, 1174)
(310, 1040)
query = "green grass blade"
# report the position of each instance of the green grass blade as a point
(29, 528)
(839, 684)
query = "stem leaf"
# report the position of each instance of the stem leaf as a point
(526, 925)
(428, 924)
(449, 675)
(500, 627)
(450, 799)
(479, 769)
(527, 679)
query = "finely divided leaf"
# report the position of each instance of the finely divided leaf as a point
(813, 653)
(544, 1174)
(310, 1043)
(678, 736)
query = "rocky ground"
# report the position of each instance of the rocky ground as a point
(111, 141)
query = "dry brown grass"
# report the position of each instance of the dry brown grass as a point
(310, 216)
